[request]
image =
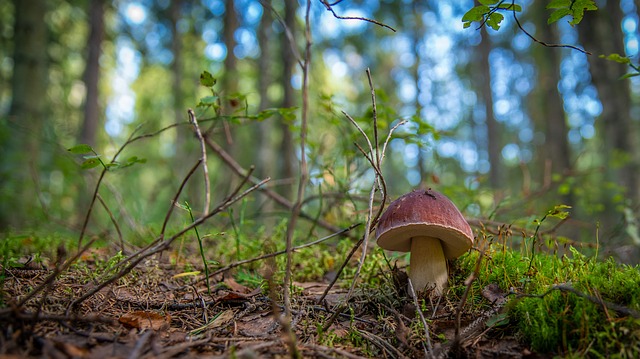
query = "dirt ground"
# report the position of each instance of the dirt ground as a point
(155, 312)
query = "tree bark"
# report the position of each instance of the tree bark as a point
(91, 121)
(265, 78)
(287, 154)
(494, 144)
(27, 113)
(546, 105)
(600, 32)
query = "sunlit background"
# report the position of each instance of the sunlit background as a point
(428, 72)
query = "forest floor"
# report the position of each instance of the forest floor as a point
(158, 311)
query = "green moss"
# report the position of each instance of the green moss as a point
(553, 319)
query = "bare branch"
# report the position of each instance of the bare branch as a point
(203, 159)
(329, 7)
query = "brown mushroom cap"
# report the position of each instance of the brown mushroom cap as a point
(424, 213)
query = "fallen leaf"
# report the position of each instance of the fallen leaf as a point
(145, 320)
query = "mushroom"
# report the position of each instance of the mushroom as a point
(427, 224)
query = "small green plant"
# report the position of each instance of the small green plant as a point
(93, 159)
(187, 208)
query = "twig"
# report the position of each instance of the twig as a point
(412, 292)
(542, 42)
(329, 7)
(203, 159)
(113, 220)
(174, 201)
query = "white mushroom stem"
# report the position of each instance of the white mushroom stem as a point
(427, 266)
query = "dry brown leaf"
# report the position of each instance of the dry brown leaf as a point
(145, 320)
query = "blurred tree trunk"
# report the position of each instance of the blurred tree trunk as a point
(263, 131)
(91, 77)
(287, 154)
(92, 73)
(229, 85)
(265, 78)
(417, 44)
(600, 32)
(493, 132)
(20, 152)
(545, 102)
(179, 110)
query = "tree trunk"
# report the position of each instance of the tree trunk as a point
(545, 102)
(179, 110)
(92, 73)
(265, 78)
(27, 114)
(494, 145)
(289, 63)
(600, 33)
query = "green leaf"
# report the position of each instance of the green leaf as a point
(557, 15)
(494, 20)
(629, 75)
(475, 14)
(575, 9)
(509, 6)
(80, 149)
(578, 8)
(208, 101)
(207, 79)
(559, 211)
(617, 58)
(559, 4)
(488, 2)
(90, 163)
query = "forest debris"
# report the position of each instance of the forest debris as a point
(222, 319)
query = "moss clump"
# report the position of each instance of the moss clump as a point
(570, 305)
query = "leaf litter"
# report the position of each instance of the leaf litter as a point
(155, 313)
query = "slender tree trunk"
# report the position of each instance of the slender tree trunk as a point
(92, 73)
(265, 78)
(494, 144)
(546, 107)
(229, 84)
(27, 114)
(600, 32)
(289, 63)
(179, 110)
(417, 43)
